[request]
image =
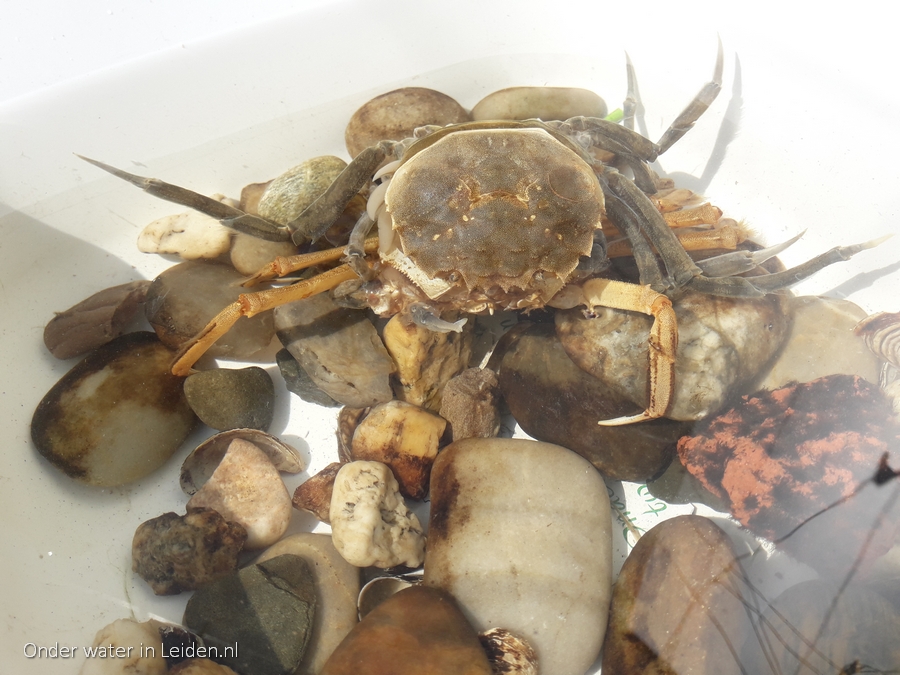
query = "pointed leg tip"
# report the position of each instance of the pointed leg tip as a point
(631, 419)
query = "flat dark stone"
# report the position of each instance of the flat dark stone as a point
(263, 613)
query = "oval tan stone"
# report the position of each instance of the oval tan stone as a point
(394, 116)
(544, 103)
(520, 536)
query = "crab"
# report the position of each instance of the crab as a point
(486, 216)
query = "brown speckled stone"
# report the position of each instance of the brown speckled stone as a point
(176, 553)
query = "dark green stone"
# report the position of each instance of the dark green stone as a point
(228, 398)
(264, 613)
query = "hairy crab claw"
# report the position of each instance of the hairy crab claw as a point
(487, 216)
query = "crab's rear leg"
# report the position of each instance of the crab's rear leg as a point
(229, 216)
(663, 337)
(250, 304)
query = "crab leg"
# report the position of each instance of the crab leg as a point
(685, 121)
(318, 216)
(283, 265)
(742, 287)
(663, 338)
(633, 212)
(726, 237)
(250, 304)
(227, 215)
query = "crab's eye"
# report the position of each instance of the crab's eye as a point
(538, 276)
(453, 277)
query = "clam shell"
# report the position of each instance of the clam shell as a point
(200, 464)
(380, 589)
(881, 333)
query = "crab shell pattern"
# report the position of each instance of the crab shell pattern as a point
(489, 219)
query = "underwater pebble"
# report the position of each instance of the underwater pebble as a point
(781, 457)
(246, 488)
(493, 500)
(821, 342)
(371, 525)
(676, 606)
(416, 631)
(288, 195)
(189, 235)
(203, 460)
(337, 585)
(184, 298)
(117, 416)
(723, 343)
(554, 400)
(299, 382)
(250, 196)
(314, 494)
(394, 116)
(403, 436)
(338, 348)
(95, 321)
(677, 485)
(267, 609)
(862, 626)
(426, 360)
(232, 398)
(470, 404)
(249, 254)
(175, 553)
(544, 103)
(129, 636)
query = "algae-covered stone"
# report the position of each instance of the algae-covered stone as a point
(259, 619)
(176, 553)
(287, 196)
(232, 398)
(520, 536)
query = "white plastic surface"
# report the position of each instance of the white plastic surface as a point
(805, 135)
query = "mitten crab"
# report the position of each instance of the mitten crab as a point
(485, 216)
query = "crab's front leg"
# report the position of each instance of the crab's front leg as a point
(663, 337)
(250, 304)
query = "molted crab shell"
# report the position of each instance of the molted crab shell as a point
(505, 212)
